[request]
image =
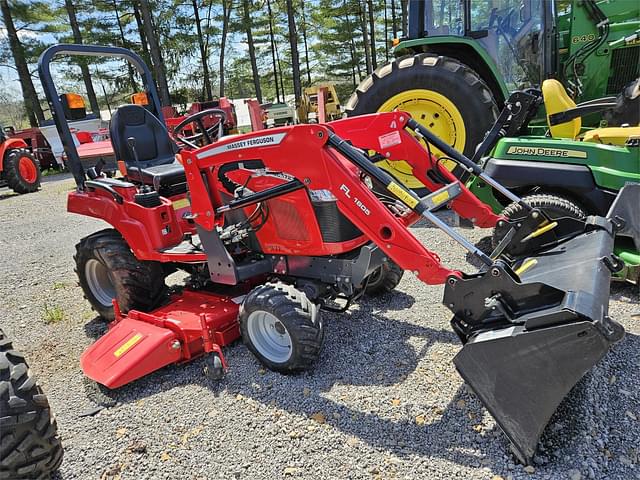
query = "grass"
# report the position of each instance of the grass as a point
(52, 314)
(51, 171)
(59, 285)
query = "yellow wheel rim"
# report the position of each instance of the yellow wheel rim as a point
(434, 111)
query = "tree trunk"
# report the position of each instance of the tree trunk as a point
(404, 4)
(226, 15)
(303, 29)
(252, 50)
(31, 102)
(352, 48)
(365, 37)
(143, 38)
(156, 55)
(208, 93)
(394, 23)
(372, 34)
(84, 68)
(386, 33)
(295, 58)
(273, 51)
(125, 44)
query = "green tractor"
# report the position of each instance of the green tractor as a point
(462, 58)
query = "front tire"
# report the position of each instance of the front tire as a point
(555, 206)
(107, 269)
(22, 171)
(441, 93)
(384, 279)
(29, 443)
(282, 327)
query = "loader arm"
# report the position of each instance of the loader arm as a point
(387, 134)
(323, 168)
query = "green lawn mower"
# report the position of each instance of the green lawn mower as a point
(565, 173)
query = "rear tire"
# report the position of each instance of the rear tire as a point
(555, 206)
(429, 73)
(384, 279)
(282, 327)
(29, 444)
(107, 269)
(22, 171)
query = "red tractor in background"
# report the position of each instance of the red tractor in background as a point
(19, 168)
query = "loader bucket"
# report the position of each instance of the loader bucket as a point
(535, 334)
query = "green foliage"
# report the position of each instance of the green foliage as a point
(52, 314)
(334, 48)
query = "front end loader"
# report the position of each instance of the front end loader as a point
(276, 226)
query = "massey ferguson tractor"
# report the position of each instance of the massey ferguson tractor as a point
(19, 169)
(276, 226)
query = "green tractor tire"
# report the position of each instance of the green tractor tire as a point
(441, 93)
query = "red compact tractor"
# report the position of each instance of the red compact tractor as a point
(275, 226)
(19, 169)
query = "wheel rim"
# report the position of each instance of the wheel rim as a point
(434, 111)
(269, 336)
(99, 282)
(28, 171)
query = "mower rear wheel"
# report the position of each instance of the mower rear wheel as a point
(282, 327)
(22, 171)
(384, 279)
(555, 206)
(107, 269)
(29, 444)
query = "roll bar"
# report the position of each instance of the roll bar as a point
(55, 105)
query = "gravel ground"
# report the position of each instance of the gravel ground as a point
(383, 402)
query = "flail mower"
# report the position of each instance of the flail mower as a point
(273, 227)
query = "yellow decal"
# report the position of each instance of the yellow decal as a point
(178, 204)
(399, 192)
(546, 152)
(440, 197)
(126, 346)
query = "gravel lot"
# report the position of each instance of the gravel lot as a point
(383, 402)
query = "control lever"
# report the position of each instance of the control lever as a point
(131, 142)
(96, 171)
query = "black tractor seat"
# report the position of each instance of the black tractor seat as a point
(156, 164)
(167, 180)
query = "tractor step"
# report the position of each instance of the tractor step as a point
(190, 325)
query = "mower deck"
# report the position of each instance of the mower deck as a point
(191, 324)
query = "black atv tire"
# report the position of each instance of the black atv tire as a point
(555, 206)
(136, 284)
(29, 443)
(292, 313)
(384, 279)
(15, 180)
(444, 75)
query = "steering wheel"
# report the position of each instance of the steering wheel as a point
(204, 135)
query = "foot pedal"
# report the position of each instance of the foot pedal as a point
(442, 196)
